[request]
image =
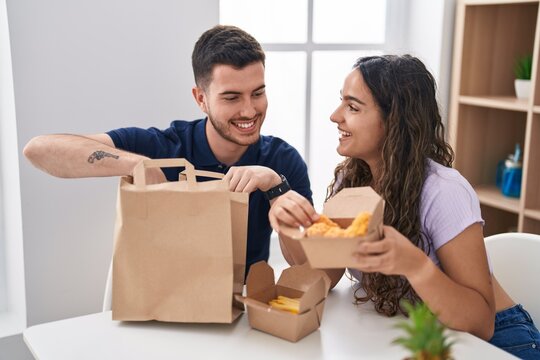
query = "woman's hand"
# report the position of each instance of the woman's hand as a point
(393, 255)
(291, 209)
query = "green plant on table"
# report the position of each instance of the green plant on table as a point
(426, 337)
(523, 67)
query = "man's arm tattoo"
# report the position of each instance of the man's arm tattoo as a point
(98, 155)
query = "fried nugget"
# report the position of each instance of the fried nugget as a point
(326, 227)
(335, 232)
(326, 220)
(321, 226)
(359, 226)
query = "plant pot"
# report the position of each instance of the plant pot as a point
(523, 88)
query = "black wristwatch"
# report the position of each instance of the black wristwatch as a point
(278, 190)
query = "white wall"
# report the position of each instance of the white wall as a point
(87, 67)
(430, 36)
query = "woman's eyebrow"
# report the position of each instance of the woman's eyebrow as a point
(352, 98)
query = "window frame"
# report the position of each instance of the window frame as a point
(396, 15)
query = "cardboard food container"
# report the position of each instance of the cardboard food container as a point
(309, 285)
(337, 252)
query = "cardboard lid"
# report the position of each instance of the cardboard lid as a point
(291, 232)
(349, 202)
(260, 276)
(316, 292)
(302, 277)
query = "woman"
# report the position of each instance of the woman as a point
(392, 136)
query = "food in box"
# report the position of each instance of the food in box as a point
(309, 286)
(327, 252)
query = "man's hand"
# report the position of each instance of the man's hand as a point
(250, 178)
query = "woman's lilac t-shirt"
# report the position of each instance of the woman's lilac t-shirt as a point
(448, 205)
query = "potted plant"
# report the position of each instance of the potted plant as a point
(426, 337)
(522, 72)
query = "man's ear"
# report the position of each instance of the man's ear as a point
(200, 98)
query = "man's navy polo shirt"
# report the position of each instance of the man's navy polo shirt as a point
(187, 139)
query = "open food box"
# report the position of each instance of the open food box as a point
(305, 285)
(326, 252)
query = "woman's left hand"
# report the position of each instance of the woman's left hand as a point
(394, 254)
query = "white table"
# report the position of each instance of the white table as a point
(347, 332)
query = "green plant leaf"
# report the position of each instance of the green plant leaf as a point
(425, 337)
(523, 67)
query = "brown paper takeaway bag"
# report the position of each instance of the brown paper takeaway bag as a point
(180, 248)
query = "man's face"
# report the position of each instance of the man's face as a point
(235, 102)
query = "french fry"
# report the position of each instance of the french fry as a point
(290, 300)
(285, 303)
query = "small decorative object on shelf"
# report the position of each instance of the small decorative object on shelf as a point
(426, 337)
(501, 166)
(522, 72)
(511, 177)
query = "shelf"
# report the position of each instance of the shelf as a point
(532, 180)
(486, 119)
(491, 195)
(496, 102)
(531, 225)
(533, 214)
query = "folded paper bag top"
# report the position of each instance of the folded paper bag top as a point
(336, 252)
(310, 286)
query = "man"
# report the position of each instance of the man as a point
(228, 66)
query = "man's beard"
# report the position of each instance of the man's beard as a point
(225, 133)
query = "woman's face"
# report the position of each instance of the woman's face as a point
(359, 121)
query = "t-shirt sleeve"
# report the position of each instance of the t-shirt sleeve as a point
(450, 207)
(151, 142)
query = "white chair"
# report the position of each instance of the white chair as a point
(107, 297)
(515, 258)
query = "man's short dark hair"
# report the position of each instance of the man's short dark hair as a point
(223, 44)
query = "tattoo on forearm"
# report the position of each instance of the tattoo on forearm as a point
(98, 155)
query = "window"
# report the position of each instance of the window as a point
(12, 294)
(311, 45)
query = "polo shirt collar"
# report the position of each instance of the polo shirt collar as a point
(205, 156)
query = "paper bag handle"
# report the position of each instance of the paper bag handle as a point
(139, 174)
(208, 174)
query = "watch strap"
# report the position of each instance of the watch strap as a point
(278, 190)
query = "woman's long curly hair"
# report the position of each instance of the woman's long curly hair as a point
(405, 92)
